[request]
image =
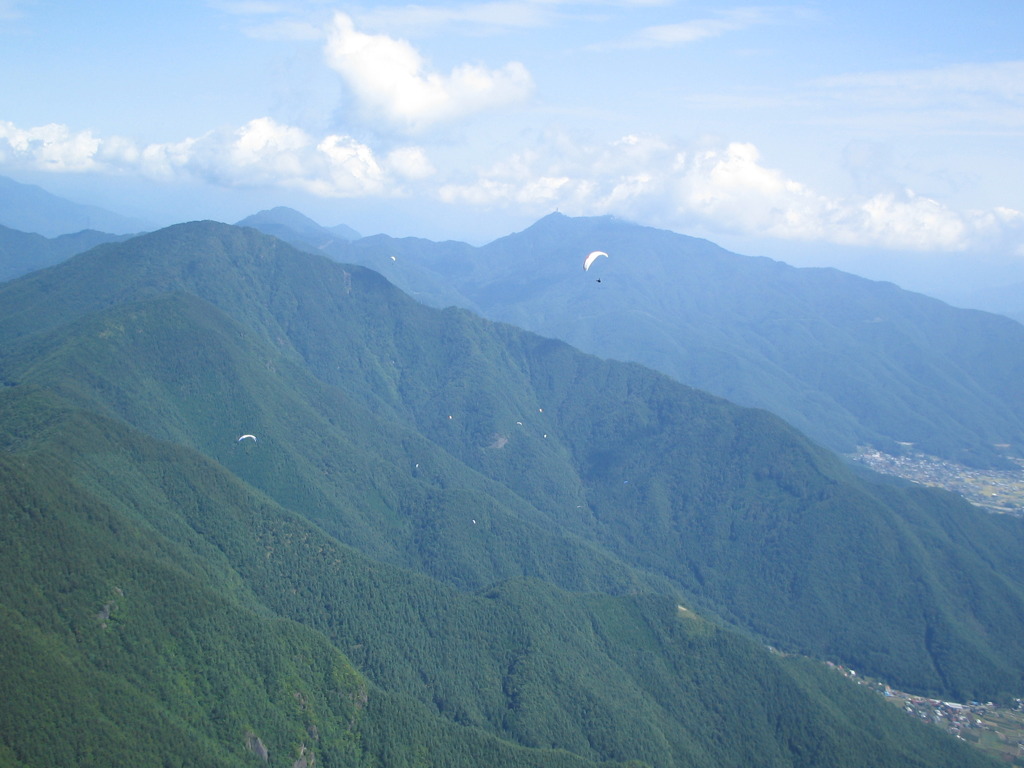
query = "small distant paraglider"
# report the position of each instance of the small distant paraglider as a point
(247, 437)
(591, 258)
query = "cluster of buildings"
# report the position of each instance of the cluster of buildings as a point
(956, 718)
(999, 491)
(997, 730)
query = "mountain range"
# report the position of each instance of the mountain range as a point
(848, 361)
(24, 252)
(29, 208)
(450, 542)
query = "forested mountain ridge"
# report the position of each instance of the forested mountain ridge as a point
(142, 642)
(494, 545)
(846, 360)
(288, 223)
(24, 252)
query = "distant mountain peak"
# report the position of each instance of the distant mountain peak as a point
(281, 215)
(289, 224)
(559, 219)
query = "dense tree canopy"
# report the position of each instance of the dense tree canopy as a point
(453, 543)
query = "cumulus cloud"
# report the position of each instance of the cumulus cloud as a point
(410, 163)
(725, 187)
(392, 81)
(728, 188)
(733, 188)
(52, 147)
(351, 169)
(266, 153)
(262, 152)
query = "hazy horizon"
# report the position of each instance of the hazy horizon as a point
(873, 138)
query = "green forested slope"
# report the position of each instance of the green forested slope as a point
(395, 426)
(477, 531)
(846, 360)
(158, 612)
(137, 628)
(390, 443)
(124, 645)
(24, 252)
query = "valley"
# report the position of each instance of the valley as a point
(997, 730)
(998, 491)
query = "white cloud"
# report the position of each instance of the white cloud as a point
(727, 188)
(166, 161)
(262, 152)
(410, 163)
(51, 147)
(352, 169)
(731, 187)
(266, 153)
(723, 187)
(392, 81)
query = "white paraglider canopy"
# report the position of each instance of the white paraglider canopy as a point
(591, 257)
(247, 437)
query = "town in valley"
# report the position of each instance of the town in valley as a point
(995, 729)
(998, 491)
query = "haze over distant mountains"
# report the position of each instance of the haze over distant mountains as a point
(29, 208)
(24, 252)
(291, 225)
(453, 543)
(848, 361)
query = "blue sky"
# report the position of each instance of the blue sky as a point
(830, 132)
